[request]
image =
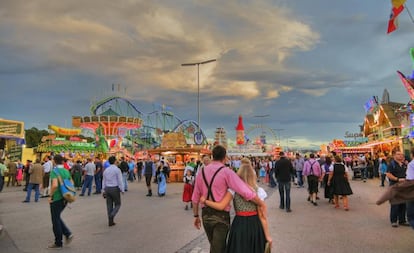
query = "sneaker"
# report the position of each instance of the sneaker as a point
(54, 246)
(69, 239)
(394, 225)
(314, 203)
(405, 224)
(288, 210)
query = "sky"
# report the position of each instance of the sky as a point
(309, 65)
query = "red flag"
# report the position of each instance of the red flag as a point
(393, 22)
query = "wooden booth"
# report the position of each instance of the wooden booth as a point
(175, 150)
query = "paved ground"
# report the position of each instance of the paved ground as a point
(161, 225)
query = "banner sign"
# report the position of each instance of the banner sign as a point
(11, 128)
(15, 153)
(353, 135)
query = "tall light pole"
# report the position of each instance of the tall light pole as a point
(289, 141)
(261, 116)
(198, 86)
(278, 130)
(261, 124)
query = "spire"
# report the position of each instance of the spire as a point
(240, 126)
(385, 97)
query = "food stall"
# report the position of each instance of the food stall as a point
(175, 150)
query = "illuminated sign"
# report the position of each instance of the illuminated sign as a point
(341, 143)
(352, 135)
(355, 142)
(12, 128)
(173, 140)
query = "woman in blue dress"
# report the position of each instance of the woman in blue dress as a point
(162, 179)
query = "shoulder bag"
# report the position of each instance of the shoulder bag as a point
(66, 188)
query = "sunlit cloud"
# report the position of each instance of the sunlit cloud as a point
(276, 57)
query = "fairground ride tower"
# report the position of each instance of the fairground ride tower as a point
(220, 137)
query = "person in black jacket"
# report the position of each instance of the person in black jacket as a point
(149, 172)
(123, 166)
(283, 170)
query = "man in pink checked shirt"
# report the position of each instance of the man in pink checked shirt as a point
(213, 182)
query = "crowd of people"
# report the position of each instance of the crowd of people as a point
(109, 178)
(210, 186)
(238, 179)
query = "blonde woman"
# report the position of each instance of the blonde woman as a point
(249, 231)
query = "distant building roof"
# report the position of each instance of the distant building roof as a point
(389, 112)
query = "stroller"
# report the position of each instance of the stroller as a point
(357, 172)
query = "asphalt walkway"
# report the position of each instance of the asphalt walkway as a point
(161, 225)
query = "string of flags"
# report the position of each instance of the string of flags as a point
(398, 7)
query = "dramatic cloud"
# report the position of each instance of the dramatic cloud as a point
(307, 65)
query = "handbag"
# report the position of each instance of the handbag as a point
(66, 188)
(268, 248)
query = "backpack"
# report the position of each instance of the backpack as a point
(66, 188)
(326, 167)
(124, 166)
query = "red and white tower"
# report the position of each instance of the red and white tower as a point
(240, 132)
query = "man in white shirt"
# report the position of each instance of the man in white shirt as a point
(47, 167)
(112, 186)
(89, 173)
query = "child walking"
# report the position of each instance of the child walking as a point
(188, 188)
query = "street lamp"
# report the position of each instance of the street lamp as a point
(289, 141)
(278, 130)
(198, 85)
(261, 116)
(261, 125)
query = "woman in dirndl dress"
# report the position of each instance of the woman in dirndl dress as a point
(338, 180)
(162, 179)
(76, 172)
(188, 189)
(327, 169)
(19, 173)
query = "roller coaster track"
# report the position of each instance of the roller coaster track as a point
(185, 122)
(102, 102)
(158, 119)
